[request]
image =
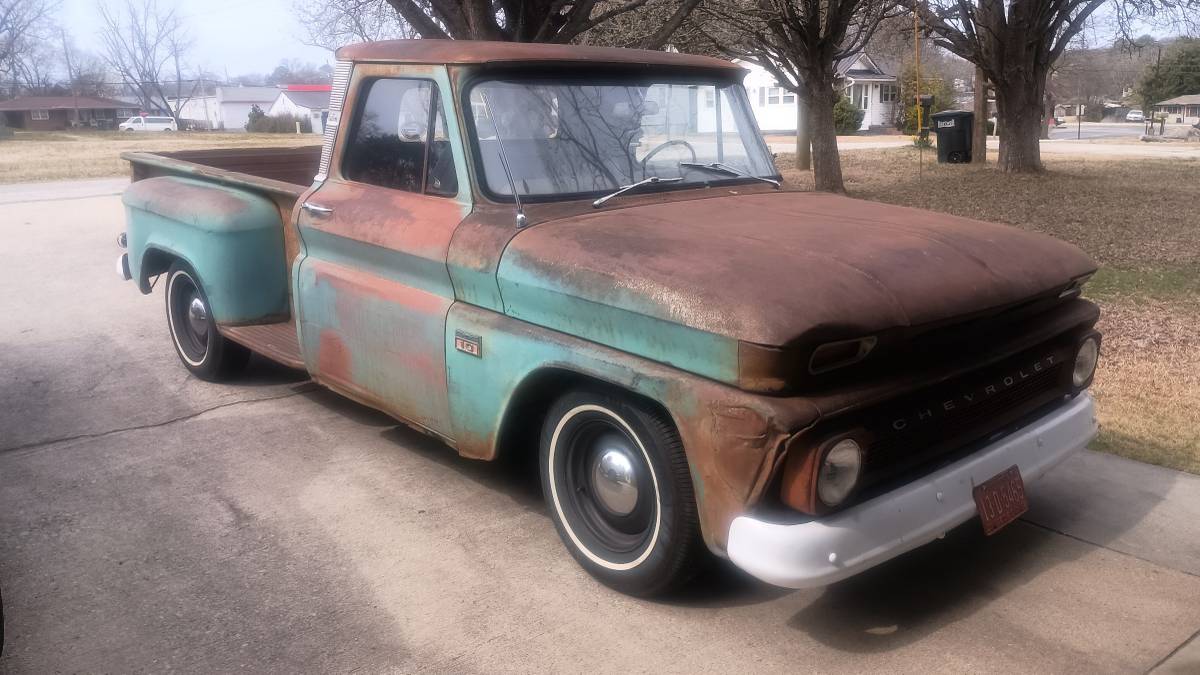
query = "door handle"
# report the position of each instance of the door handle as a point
(316, 209)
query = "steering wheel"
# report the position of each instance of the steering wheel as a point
(663, 146)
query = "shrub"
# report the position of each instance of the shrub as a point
(932, 82)
(847, 117)
(276, 124)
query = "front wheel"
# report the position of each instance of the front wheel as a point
(617, 484)
(204, 351)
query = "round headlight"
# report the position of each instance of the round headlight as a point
(1085, 362)
(839, 472)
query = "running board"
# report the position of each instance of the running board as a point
(276, 341)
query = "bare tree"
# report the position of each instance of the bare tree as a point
(24, 24)
(341, 22)
(1015, 43)
(800, 43)
(558, 21)
(144, 45)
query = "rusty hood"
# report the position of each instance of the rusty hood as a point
(769, 268)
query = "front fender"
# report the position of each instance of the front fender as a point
(232, 238)
(732, 438)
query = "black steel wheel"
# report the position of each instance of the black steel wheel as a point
(618, 486)
(203, 350)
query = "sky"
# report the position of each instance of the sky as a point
(235, 36)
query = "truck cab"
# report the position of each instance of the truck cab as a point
(586, 255)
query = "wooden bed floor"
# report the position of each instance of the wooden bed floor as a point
(276, 341)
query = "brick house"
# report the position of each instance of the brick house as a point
(53, 113)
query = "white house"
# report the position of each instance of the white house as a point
(304, 100)
(228, 108)
(867, 85)
(1181, 109)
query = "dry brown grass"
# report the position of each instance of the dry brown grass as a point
(90, 154)
(1140, 219)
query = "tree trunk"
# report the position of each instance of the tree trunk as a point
(979, 131)
(803, 135)
(1020, 111)
(827, 165)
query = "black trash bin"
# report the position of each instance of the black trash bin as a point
(953, 128)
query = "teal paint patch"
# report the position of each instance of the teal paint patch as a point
(617, 324)
(475, 286)
(232, 238)
(402, 268)
(385, 347)
(481, 388)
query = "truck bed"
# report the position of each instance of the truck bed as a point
(284, 171)
(280, 174)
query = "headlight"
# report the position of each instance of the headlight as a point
(839, 472)
(1086, 357)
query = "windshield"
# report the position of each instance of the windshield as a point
(585, 138)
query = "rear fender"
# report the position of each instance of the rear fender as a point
(231, 237)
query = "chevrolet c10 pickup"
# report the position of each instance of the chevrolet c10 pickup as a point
(585, 255)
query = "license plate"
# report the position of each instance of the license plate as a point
(1000, 499)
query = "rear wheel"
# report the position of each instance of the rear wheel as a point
(618, 487)
(204, 351)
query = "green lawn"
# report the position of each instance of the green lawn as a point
(64, 155)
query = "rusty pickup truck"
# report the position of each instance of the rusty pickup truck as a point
(584, 255)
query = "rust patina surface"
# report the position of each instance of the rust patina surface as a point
(706, 301)
(470, 52)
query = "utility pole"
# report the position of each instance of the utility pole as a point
(71, 74)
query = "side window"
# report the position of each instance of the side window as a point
(391, 145)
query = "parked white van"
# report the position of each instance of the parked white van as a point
(148, 124)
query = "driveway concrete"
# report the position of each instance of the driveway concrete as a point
(153, 522)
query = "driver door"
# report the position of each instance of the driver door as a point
(372, 289)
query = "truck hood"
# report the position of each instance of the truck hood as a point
(772, 268)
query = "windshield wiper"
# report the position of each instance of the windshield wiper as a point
(729, 170)
(632, 186)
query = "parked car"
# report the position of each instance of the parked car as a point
(1135, 116)
(585, 254)
(148, 124)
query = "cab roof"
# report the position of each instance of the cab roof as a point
(436, 52)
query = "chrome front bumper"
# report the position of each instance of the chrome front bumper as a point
(823, 551)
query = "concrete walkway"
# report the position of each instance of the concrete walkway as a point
(15, 193)
(153, 522)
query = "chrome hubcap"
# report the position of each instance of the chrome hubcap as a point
(197, 316)
(614, 478)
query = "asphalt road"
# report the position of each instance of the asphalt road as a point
(1093, 130)
(153, 522)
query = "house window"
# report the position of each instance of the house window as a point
(789, 97)
(39, 114)
(762, 96)
(710, 97)
(889, 94)
(773, 95)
